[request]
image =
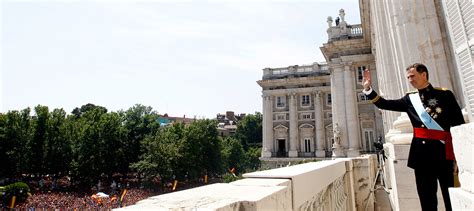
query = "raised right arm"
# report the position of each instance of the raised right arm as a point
(380, 102)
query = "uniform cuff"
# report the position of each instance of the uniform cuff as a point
(368, 91)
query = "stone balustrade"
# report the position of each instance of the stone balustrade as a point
(340, 184)
(343, 32)
(305, 70)
(355, 30)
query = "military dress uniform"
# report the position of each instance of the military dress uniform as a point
(431, 154)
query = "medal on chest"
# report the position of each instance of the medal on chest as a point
(433, 109)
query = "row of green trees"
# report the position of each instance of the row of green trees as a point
(91, 142)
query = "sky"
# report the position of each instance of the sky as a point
(194, 58)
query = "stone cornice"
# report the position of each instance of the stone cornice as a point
(297, 91)
(345, 48)
(294, 81)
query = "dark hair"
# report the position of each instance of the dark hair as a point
(420, 68)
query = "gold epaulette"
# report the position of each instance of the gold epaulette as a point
(412, 92)
(441, 88)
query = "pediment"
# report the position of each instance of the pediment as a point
(280, 127)
(306, 126)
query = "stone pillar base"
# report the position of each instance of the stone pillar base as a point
(266, 154)
(293, 154)
(401, 179)
(320, 153)
(353, 153)
(461, 199)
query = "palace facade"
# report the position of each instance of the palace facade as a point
(319, 110)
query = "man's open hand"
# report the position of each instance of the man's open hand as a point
(366, 82)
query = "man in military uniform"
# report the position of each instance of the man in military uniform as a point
(432, 112)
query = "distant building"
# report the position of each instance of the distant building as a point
(227, 123)
(165, 120)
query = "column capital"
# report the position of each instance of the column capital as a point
(347, 63)
(317, 93)
(337, 67)
(266, 96)
(347, 67)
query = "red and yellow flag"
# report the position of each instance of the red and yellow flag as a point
(12, 202)
(123, 194)
(175, 184)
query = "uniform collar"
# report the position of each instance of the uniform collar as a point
(427, 89)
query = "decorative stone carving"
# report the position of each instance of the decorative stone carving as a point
(337, 135)
(342, 14)
(332, 197)
(337, 150)
(329, 21)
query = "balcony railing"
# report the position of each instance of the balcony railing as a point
(355, 30)
(341, 184)
(350, 32)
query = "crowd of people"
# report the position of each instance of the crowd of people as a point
(73, 201)
(54, 193)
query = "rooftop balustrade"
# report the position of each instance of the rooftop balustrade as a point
(296, 71)
(342, 33)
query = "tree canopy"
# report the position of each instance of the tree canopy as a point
(92, 142)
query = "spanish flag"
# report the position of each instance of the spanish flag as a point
(175, 184)
(12, 202)
(123, 194)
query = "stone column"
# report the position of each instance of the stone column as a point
(352, 116)
(319, 125)
(339, 113)
(406, 32)
(293, 127)
(267, 126)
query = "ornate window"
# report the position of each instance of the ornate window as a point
(368, 135)
(362, 97)
(328, 115)
(280, 101)
(305, 100)
(280, 117)
(369, 139)
(306, 116)
(328, 99)
(360, 73)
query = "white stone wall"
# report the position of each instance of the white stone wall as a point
(463, 198)
(341, 184)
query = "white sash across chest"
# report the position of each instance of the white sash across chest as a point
(429, 122)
